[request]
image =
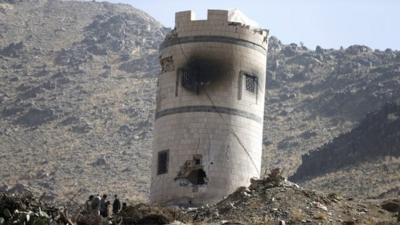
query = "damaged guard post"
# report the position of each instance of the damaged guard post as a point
(210, 108)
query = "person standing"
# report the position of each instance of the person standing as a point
(116, 207)
(96, 204)
(109, 210)
(88, 204)
(103, 208)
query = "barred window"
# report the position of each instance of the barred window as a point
(251, 83)
(163, 158)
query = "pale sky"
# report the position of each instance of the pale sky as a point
(328, 23)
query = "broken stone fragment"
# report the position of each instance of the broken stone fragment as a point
(177, 223)
(334, 197)
(320, 206)
(255, 184)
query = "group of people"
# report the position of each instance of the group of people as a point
(102, 206)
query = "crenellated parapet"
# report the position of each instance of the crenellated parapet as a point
(216, 24)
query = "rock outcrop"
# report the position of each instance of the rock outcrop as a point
(377, 136)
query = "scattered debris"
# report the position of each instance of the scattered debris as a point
(272, 200)
(25, 209)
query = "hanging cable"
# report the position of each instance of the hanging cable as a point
(235, 135)
(226, 123)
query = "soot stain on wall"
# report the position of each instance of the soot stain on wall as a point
(201, 71)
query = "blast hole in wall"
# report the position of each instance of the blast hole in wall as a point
(192, 173)
(197, 177)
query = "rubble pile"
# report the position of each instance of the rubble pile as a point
(143, 214)
(274, 200)
(25, 209)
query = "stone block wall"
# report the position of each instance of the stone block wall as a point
(213, 135)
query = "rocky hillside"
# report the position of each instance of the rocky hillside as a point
(77, 84)
(77, 91)
(374, 143)
(377, 136)
(316, 95)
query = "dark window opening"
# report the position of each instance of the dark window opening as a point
(200, 72)
(163, 158)
(197, 177)
(251, 83)
(190, 80)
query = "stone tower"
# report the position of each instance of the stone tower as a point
(210, 106)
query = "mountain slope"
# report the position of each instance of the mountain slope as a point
(377, 136)
(77, 84)
(314, 96)
(366, 158)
